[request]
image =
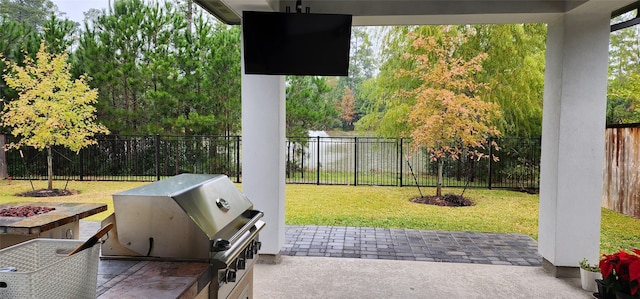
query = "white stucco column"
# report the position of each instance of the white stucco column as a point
(263, 153)
(573, 140)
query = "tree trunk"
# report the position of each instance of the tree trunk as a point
(3, 158)
(439, 180)
(189, 16)
(49, 169)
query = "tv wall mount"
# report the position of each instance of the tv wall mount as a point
(299, 8)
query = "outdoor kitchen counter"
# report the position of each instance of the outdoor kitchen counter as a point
(152, 279)
(61, 223)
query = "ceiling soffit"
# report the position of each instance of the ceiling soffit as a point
(407, 12)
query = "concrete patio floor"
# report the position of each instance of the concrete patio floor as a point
(345, 277)
(328, 277)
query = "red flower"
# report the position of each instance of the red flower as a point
(621, 270)
(634, 275)
(634, 270)
(606, 266)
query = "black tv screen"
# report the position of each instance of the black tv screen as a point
(296, 43)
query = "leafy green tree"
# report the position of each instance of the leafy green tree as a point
(623, 98)
(32, 12)
(624, 55)
(52, 109)
(373, 106)
(362, 66)
(513, 70)
(362, 62)
(306, 107)
(448, 118)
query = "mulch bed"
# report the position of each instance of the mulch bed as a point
(24, 211)
(447, 200)
(48, 193)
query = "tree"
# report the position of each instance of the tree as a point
(623, 97)
(15, 40)
(52, 109)
(33, 12)
(157, 74)
(347, 108)
(362, 62)
(362, 65)
(58, 34)
(448, 118)
(307, 108)
(385, 112)
(513, 70)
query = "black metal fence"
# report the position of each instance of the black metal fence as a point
(310, 160)
(133, 158)
(393, 162)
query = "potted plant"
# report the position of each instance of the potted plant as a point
(621, 274)
(588, 275)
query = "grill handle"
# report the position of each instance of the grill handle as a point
(255, 216)
(223, 258)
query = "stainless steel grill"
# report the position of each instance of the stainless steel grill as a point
(189, 217)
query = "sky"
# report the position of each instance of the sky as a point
(75, 9)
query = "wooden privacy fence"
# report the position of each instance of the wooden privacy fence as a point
(621, 190)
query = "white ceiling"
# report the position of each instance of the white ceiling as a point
(408, 12)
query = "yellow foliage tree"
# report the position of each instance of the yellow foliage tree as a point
(52, 108)
(448, 118)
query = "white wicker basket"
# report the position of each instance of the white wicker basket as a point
(45, 271)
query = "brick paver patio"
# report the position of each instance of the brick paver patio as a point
(408, 244)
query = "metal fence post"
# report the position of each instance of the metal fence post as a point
(157, 146)
(355, 161)
(400, 160)
(237, 159)
(301, 161)
(490, 160)
(318, 161)
(80, 154)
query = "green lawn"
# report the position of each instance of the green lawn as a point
(495, 210)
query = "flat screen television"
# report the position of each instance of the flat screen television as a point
(301, 44)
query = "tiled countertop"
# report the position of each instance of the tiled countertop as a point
(127, 278)
(151, 279)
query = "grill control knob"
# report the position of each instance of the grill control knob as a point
(241, 264)
(249, 253)
(230, 275)
(220, 245)
(256, 247)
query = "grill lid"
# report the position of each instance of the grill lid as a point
(212, 202)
